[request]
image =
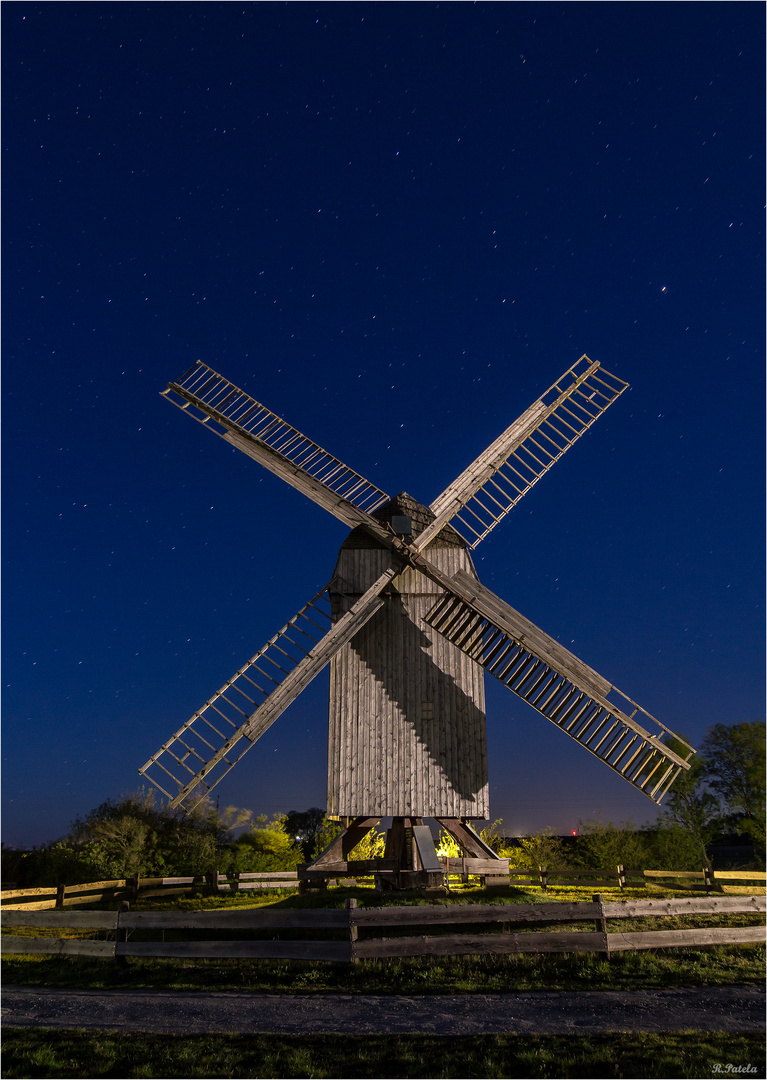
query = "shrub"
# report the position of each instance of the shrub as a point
(541, 849)
(265, 846)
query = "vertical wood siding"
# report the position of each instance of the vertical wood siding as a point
(385, 757)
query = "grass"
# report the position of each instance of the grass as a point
(663, 969)
(49, 1053)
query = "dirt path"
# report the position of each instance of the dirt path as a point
(733, 1008)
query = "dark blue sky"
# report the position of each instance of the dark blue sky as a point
(396, 225)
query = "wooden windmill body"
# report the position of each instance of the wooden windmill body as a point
(408, 631)
(407, 707)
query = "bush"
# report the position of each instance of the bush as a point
(541, 849)
(133, 835)
(265, 846)
(603, 845)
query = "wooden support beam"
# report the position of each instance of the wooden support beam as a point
(335, 854)
(466, 838)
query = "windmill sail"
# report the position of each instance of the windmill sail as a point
(219, 734)
(495, 482)
(243, 422)
(558, 685)
(395, 653)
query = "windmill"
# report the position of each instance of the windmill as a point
(408, 631)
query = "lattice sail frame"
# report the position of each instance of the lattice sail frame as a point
(494, 483)
(559, 690)
(219, 734)
(241, 420)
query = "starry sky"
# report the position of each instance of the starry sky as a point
(396, 225)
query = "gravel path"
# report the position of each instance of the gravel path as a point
(731, 1008)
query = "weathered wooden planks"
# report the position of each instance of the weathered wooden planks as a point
(666, 939)
(467, 944)
(695, 905)
(503, 473)
(406, 720)
(103, 950)
(275, 444)
(353, 919)
(332, 951)
(254, 919)
(295, 680)
(423, 915)
(71, 920)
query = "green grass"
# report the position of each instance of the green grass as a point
(663, 969)
(50, 1053)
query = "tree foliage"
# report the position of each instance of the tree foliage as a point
(692, 808)
(541, 849)
(723, 793)
(128, 836)
(603, 845)
(371, 846)
(266, 845)
(735, 769)
(305, 826)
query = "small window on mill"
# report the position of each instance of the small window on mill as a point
(427, 710)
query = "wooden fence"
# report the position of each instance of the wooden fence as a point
(492, 929)
(98, 892)
(456, 871)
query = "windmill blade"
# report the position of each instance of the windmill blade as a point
(495, 482)
(243, 422)
(556, 683)
(218, 735)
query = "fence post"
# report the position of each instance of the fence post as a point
(351, 904)
(600, 924)
(707, 880)
(544, 878)
(60, 890)
(622, 877)
(133, 887)
(212, 881)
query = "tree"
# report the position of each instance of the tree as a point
(735, 769)
(267, 845)
(691, 806)
(493, 836)
(448, 847)
(672, 848)
(135, 835)
(371, 846)
(325, 836)
(305, 826)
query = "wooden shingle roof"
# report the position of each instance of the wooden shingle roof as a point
(404, 505)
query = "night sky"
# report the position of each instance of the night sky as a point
(396, 225)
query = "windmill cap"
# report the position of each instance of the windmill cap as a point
(404, 506)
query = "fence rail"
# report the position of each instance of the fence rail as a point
(456, 870)
(61, 896)
(346, 924)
